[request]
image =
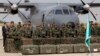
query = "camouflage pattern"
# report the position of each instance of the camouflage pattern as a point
(12, 32)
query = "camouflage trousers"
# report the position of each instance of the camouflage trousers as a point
(17, 43)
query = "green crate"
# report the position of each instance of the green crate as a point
(80, 48)
(30, 49)
(65, 48)
(47, 49)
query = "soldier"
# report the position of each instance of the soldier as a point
(29, 30)
(19, 25)
(5, 30)
(12, 30)
(43, 32)
(23, 30)
(14, 34)
(18, 30)
(47, 29)
(52, 31)
(67, 30)
(77, 30)
(63, 30)
(95, 29)
(83, 30)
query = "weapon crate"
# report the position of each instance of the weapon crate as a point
(47, 49)
(95, 47)
(27, 41)
(41, 41)
(47, 41)
(80, 48)
(64, 48)
(69, 40)
(30, 49)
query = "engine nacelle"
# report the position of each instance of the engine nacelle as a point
(80, 10)
(14, 11)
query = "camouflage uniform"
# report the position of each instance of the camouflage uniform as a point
(28, 31)
(43, 32)
(12, 32)
(55, 32)
(81, 31)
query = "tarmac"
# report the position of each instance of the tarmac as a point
(2, 53)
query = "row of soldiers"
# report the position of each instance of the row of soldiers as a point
(66, 30)
(50, 31)
(53, 31)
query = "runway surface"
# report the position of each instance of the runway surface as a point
(2, 53)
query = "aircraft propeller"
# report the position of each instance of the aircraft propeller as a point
(15, 7)
(87, 7)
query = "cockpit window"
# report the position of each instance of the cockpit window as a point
(65, 11)
(58, 11)
(71, 12)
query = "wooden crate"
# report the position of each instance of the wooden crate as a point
(11, 46)
(65, 48)
(27, 41)
(29, 49)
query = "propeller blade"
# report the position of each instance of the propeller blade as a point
(27, 9)
(19, 2)
(10, 2)
(5, 16)
(83, 2)
(23, 15)
(92, 2)
(93, 15)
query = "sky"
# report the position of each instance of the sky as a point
(16, 18)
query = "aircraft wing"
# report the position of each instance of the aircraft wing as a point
(22, 5)
(92, 5)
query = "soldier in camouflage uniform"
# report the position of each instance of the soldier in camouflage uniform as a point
(95, 30)
(19, 25)
(47, 29)
(38, 32)
(77, 30)
(13, 33)
(18, 30)
(81, 30)
(63, 30)
(23, 29)
(57, 32)
(28, 30)
(43, 32)
(52, 31)
(12, 30)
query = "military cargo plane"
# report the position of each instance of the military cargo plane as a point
(47, 13)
